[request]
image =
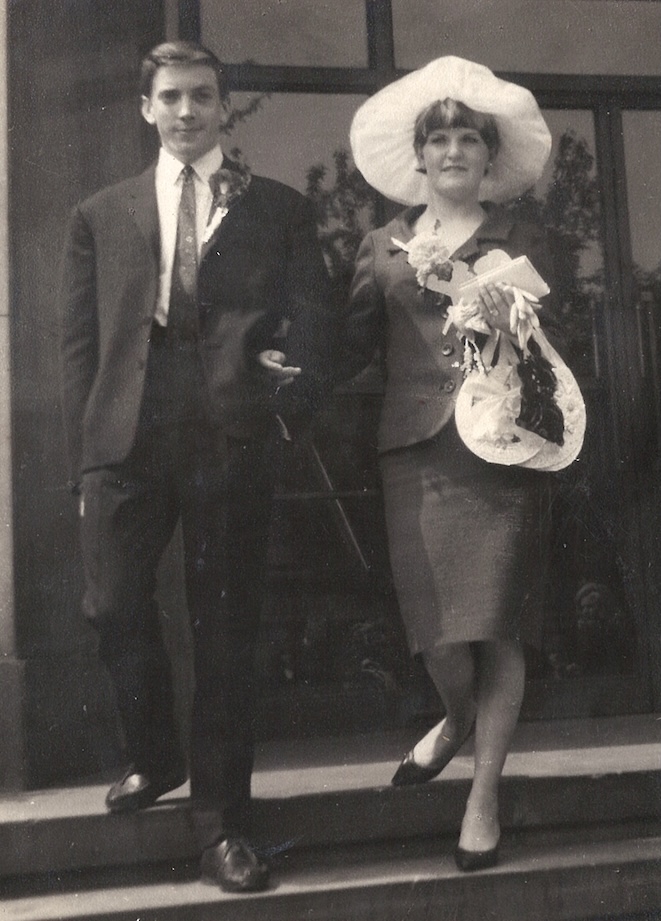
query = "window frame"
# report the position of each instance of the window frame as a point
(606, 96)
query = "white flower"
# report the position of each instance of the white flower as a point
(428, 256)
(523, 316)
(227, 186)
(466, 316)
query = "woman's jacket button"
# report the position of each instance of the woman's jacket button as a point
(447, 349)
(449, 386)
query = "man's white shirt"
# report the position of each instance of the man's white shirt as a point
(168, 195)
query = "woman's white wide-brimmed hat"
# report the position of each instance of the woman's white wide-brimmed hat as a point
(383, 129)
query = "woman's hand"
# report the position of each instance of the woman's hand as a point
(274, 364)
(510, 310)
(495, 303)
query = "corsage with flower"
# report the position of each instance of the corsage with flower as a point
(434, 269)
(227, 187)
(429, 256)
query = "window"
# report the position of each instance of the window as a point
(535, 36)
(594, 68)
(318, 33)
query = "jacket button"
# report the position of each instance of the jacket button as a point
(449, 386)
(447, 349)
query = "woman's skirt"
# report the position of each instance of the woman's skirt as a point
(467, 543)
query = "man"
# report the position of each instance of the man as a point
(177, 287)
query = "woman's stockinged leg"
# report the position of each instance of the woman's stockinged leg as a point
(451, 668)
(500, 679)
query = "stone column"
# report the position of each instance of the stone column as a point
(12, 752)
(69, 83)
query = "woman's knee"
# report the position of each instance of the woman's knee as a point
(508, 652)
(448, 656)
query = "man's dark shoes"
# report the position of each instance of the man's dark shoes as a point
(137, 790)
(233, 865)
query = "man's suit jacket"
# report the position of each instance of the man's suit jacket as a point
(387, 307)
(262, 266)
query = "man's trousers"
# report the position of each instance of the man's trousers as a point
(183, 469)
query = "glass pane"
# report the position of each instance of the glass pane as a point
(337, 634)
(566, 202)
(327, 523)
(293, 32)
(290, 133)
(538, 36)
(335, 641)
(302, 140)
(590, 630)
(642, 145)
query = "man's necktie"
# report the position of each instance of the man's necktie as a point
(183, 313)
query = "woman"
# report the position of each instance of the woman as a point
(452, 140)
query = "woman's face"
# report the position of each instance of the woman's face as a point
(455, 160)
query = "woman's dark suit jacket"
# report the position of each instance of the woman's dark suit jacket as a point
(262, 266)
(422, 365)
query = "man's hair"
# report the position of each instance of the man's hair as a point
(170, 54)
(449, 113)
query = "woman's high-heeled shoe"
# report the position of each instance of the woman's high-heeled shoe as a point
(410, 772)
(467, 861)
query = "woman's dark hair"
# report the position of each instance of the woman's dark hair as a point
(448, 113)
(169, 54)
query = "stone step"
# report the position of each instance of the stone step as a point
(569, 875)
(333, 792)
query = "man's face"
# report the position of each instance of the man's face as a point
(186, 107)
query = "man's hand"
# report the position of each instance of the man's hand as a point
(274, 364)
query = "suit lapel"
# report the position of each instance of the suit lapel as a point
(235, 217)
(143, 208)
(235, 222)
(401, 228)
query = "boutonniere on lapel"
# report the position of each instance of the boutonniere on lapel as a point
(227, 187)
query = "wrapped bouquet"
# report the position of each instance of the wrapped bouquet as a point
(515, 407)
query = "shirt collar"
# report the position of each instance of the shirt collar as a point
(169, 168)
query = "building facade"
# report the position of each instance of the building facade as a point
(332, 655)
